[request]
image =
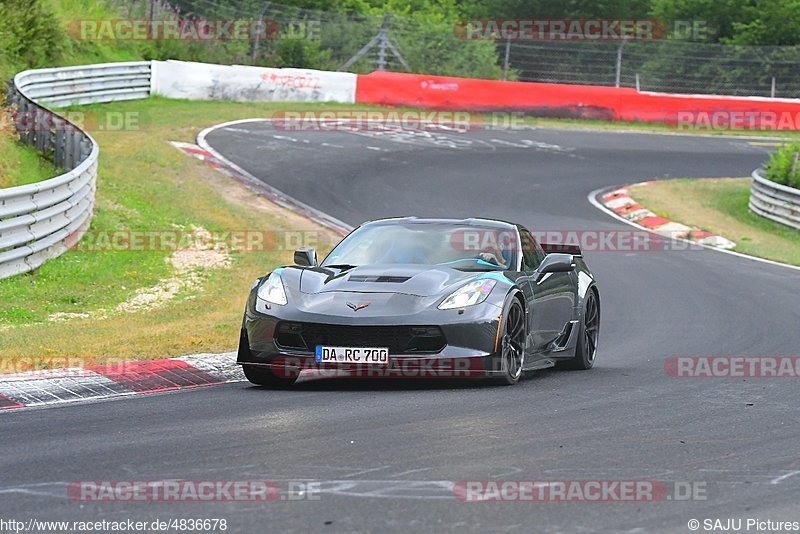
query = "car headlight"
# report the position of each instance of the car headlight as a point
(272, 290)
(473, 293)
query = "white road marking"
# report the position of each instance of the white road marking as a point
(391, 489)
(529, 143)
(364, 471)
(413, 471)
(784, 477)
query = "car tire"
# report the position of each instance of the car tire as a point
(510, 355)
(264, 376)
(586, 346)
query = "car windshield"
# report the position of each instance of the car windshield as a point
(459, 246)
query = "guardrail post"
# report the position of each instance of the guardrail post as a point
(26, 134)
(58, 141)
(51, 133)
(76, 148)
(85, 147)
(39, 118)
(30, 117)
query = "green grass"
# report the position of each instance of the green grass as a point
(77, 52)
(720, 206)
(19, 164)
(146, 184)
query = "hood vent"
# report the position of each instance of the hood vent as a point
(387, 279)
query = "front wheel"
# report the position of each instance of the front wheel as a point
(264, 376)
(510, 355)
(586, 347)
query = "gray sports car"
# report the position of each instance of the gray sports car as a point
(424, 298)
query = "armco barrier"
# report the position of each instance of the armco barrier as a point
(577, 101)
(40, 221)
(777, 202)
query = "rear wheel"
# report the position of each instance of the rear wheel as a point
(510, 355)
(586, 347)
(265, 376)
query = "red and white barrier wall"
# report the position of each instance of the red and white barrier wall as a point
(203, 81)
(442, 92)
(577, 101)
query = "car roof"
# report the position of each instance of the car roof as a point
(472, 221)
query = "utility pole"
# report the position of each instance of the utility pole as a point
(256, 41)
(619, 62)
(152, 19)
(505, 58)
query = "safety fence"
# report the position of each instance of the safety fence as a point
(675, 58)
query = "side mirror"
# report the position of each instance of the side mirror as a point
(556, 263)
(305, 257)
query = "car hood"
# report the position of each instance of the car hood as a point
(417, 280)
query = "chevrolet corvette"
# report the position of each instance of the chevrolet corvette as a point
(424, 297)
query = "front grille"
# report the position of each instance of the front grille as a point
(398, 339)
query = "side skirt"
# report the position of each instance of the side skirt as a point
(544, 363)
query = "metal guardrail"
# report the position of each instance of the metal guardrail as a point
(42, 220)
(773, 201)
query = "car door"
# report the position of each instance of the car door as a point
(553, 294)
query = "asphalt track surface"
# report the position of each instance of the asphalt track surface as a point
(386, 454)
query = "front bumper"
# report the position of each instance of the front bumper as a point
(470, 339)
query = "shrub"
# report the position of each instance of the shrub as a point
(783, 166)
(30, 36)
